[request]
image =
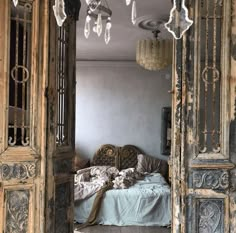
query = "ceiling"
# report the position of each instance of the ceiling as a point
(124, 34)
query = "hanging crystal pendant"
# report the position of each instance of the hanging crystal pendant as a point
(99, 24)
(179, 21)
(128, 2)
(59, 12)
(15, 2)
(107, 35)
(134, 12)
(87, 27)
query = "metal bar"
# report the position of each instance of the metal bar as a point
(213, 139)
(23, 83)
(63, 83)
(16, 84)
(21, 20)
(204, 149)
(66, 85)
(59, 85)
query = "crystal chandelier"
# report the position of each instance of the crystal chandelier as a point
(177, 25)
(154, 54)
(99, 11)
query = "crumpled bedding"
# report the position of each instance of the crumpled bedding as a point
(90, 180)
(146, 203)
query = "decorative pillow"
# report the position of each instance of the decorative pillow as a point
(150, 164)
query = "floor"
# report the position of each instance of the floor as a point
(131, 229)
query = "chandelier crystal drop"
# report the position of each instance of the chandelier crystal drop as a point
(87, 26)
(134, 12)
(107, 35)
(99, 24)
(15, 2)
(59, 12)
(179, 21)
(128, 2)
(98, 15)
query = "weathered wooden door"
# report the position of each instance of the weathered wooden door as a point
(61, 122)
(37, 81)
(204, 115)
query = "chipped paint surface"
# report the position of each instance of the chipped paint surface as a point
(202, 181)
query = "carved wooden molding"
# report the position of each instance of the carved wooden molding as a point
(210, 216)
(211, 179)
(20, 171)
(17, 211)
(120, 157)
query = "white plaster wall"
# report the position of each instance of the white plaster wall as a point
(119, 103)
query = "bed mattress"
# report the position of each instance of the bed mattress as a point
(146, 203)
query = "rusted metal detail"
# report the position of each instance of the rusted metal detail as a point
(210, 82)
(62, 85)
(20, 76)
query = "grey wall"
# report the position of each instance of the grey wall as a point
(119, 103)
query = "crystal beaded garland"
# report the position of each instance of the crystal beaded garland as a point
(154, 54)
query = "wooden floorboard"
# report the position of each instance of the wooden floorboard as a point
(116, 229)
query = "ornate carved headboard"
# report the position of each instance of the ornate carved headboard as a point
(120, 157)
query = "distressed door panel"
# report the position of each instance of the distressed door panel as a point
(203, 158)
(61, 125)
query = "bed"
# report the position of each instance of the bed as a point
(146, 203)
